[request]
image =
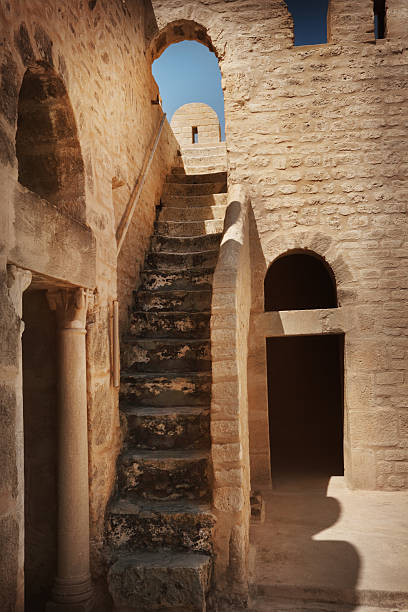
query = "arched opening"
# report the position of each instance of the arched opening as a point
(187, 72)
(299, 281)
(305, 375)
(48, 150)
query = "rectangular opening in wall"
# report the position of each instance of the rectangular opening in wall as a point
(305, 398)
(40, 448)
(379, 19)
(195, 134)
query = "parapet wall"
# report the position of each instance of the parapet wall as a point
(196, 123)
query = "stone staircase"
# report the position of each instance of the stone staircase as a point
(160, 525)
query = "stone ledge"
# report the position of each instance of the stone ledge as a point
(50, 244)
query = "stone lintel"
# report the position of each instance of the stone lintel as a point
(303, 322)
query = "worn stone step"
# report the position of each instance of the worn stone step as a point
(167, 428)
(172, 475)
(152, 581)
(189, 229)
(157, 280)
(212, 177)
(166, 354)
(198, 213)
(185, 245)
(204, 160)
(170, 325)
(182, 261)
(187, 189)
(192, 168)
(180, 201)
(173, 301)
(134, 525)
(167, 389)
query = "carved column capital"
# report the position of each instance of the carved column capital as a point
(71, 307)
(18, 279)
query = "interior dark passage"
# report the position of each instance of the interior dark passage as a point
(299, 281)
(40, 448)
(305, 395)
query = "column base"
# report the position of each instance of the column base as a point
(70, 596)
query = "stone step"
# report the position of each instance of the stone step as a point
(192, 168)
(189, 229)
(170, 475)
(180, 201)
(204, 149)
(167, 354)
(204, 160)
(185, 189)
(198, 213)
(134, 525)
(212, 177)
(173, 301)
(186, 279)
(166, 389)
(185, 245)
(182, 261)
(170, 325)
(152, 581)
(167, 428)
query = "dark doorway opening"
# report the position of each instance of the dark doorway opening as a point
(40, 448)
(305, 399)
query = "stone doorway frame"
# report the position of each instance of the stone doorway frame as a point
(340, 320)
(296, 323)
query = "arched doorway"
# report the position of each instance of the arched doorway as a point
(305, 374)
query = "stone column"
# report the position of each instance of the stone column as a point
(72, 590)
(18, 280)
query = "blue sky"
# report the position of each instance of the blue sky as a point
(188, 71)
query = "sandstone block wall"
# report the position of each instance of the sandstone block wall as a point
(196, 123)
(96, 50)
(317, 134)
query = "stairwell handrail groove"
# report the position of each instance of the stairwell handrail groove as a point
(126, 219)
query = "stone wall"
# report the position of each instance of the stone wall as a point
(196, 123)
(317, 134)
(95, 52)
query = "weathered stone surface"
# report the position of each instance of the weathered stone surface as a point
(173, 300)
(180, 525)
(177, 389)
(175, 474)
(170, 324)
(167, 428)
(170, 354)
(161, 581)
(186, 244)
(197, 189)
(176, 261)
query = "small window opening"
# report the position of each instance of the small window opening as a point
(309, 21)
(379, 19)
(195, 134)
